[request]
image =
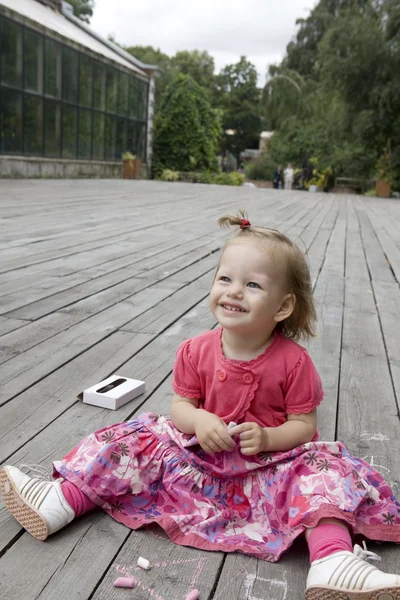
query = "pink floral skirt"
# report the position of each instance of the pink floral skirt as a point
(146, 471)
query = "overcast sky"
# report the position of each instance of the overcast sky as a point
(227, 29)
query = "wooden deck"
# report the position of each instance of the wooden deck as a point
(98, 277)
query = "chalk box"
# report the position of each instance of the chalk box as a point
(113, 392)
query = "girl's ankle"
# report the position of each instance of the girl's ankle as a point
(77, 500)
(328, 538)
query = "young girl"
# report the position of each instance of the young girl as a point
(257, 485)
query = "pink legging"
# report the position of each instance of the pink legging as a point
(77, 500)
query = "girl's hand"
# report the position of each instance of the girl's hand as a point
(253, 438)
(212, 433)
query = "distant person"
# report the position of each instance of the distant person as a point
(288, 177)
(277, 178)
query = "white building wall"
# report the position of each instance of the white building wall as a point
(150, 115)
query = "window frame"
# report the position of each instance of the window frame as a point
(132, 121)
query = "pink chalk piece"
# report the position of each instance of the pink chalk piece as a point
(125, 582)
(193, 595)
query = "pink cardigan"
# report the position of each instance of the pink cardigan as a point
(281, 380)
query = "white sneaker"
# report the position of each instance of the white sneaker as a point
(347, 576)
(38, 505)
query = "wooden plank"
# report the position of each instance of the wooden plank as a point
(245, 578)
(386, 292)
(316, 251)
(63, 292)
(175, 570)
(137, 251)
(21, 372)
(7, 325)
(368, 416)
(388, 214)
(33, 410)
(388, 242)
(42, 408)
(174, 260)
(311, 231)
(90, 549)
(377, 262)
(326, 347)
(58, 257)
(175, 306)
(117, 316)
(115, 284)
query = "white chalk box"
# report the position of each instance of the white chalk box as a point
(113, 392)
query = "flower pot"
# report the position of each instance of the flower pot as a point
(383, 189)
(137, 168)
(129, 168)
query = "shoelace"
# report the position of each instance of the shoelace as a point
(38, 471)
(364, 553)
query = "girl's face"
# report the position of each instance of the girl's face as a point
(249, 288)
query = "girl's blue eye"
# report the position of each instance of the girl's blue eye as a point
(224, 278)
(253, 284)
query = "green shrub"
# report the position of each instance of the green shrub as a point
(169, 175)
(205, 177)
(233, 178)
(186, 129)
(128, 156)
(262, 169)
(237, 178)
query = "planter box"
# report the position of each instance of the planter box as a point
(137, 168)
(132, 168)
(383, 189)
(128, 169)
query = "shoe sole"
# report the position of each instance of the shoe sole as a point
(323, 593)
(26, 515)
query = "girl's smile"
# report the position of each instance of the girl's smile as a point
(232, 308)
(248, 290)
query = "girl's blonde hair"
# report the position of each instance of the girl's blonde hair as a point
(302, 321)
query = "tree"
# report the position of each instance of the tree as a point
(199, 65)
(154, 56)
(83, 9)
(186, 129)
(302, 52)
(336, 94)
(284, 96)
(239, 98)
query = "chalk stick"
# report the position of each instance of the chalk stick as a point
(231, 425)
(193, 595)
(143, 563)
(125, 582)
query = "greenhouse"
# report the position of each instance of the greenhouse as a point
(66, 94)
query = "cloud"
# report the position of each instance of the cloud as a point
(227, 29)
